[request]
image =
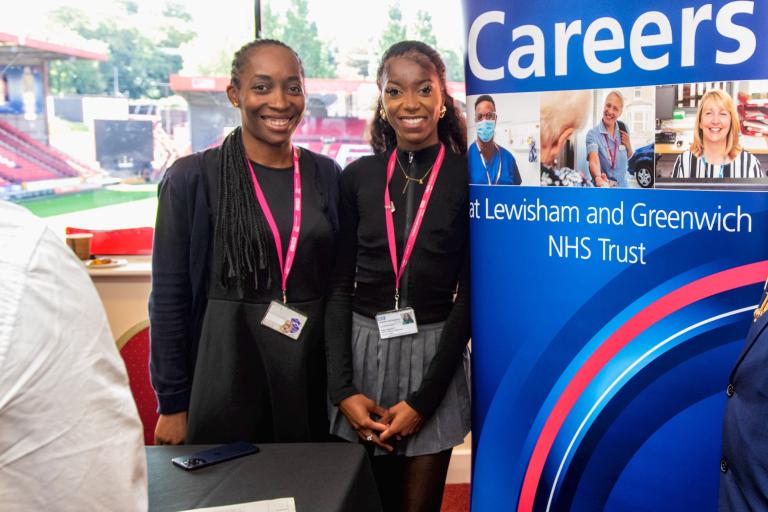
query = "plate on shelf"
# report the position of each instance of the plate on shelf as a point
(96, 263)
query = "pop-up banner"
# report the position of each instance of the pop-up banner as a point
(619, 244)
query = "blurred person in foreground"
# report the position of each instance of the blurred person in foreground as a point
(744, 455)
(70, 434)
(562, 114)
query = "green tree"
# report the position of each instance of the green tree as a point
(271, 25)
(423, 30)
(220, 65)
(395, 29)
(454, 65)
(176, 10)
(360, 63)
(76, 77)
(73, 18)
(304, 39)
(130, 6)
(175, 37)
(142, 65)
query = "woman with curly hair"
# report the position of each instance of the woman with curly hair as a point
(397, 320)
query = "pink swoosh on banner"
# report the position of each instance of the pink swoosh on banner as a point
(692, 292)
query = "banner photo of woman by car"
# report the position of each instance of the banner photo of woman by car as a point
(618, 166)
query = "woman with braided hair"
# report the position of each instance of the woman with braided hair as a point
(397, 321)
(244, 241)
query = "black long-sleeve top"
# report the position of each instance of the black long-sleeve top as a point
(364, 281)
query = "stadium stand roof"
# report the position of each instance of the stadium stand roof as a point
(23, 50)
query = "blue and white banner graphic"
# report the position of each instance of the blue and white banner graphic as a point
(619, 161)
(517, 46)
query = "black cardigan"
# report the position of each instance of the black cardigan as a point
(180, 267)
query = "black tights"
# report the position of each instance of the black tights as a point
(411, 484)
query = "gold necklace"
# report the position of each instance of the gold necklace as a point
(409, 179)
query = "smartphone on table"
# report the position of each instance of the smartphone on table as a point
(215, 455)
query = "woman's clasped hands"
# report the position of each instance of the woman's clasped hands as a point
(398, 421)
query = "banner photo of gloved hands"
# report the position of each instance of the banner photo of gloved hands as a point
(619, 215)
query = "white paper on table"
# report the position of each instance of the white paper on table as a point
(278, 505)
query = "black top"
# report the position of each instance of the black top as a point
(250, 382)
(308, 279)
(364, 281)
(181, 264)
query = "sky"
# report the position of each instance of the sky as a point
(217, 20)
(222, 26)
(447, 19)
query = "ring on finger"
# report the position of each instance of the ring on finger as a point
(369, 437)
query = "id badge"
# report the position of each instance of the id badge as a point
(284, 319)
(399, 322)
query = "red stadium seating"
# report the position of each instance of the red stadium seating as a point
(35, 160)
(314, 146)
(17, 169)
(327, 135)
(333, 150)
(339, 129)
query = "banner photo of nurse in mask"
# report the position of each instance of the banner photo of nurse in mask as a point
(490, 163)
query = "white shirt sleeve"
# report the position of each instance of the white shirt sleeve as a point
(70, 434)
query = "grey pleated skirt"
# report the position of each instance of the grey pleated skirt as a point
(388, 371)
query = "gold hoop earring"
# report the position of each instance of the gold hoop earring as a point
(235, 104)
(382, 114)
(443, 110)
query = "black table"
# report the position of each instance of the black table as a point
(323, 477)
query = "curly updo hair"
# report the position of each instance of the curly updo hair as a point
(451, 128)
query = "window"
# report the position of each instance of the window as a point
(97, 100)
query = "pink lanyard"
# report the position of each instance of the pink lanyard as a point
(416, 222)
(285, 270)
(612, 155)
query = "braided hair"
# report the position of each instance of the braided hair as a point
(451, 128)
(241, 227)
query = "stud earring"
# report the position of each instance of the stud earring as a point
(235, 104)
(382, 114)
(443, 110)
